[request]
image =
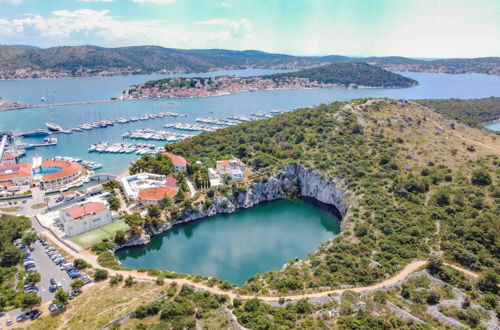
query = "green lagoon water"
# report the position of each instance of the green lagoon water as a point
(236, 246)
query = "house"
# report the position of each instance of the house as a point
(85, 217)
(16, 175)
(132, 185)
(225, 166)
(152, 196)
(232, 167)
(8, 159)
(180, 164)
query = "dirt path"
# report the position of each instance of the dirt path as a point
(496, 150)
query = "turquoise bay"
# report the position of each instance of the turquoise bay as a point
(235, 246)
(76, 144)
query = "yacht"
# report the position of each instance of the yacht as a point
(53, 127)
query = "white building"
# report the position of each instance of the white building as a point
(232, 167)
(85, 217)
(132, 185)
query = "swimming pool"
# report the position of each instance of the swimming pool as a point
(46, 169)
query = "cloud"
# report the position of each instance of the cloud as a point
(236, 28)
(159, 2)
(99, 27)
(14, 2)
(95, 0)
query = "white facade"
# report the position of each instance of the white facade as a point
(86, 223)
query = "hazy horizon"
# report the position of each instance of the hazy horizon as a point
(416, 29)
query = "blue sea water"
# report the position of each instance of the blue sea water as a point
(80, 89)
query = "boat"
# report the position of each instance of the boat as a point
(36, 133)
(53, 127)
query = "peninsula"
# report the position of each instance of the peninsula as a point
(339, 75)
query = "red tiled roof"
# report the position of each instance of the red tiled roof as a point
(67, 169)
(157, 193)
(176, 159)
(8, 156)
(170, 181)
(85, 209)
(223, 163)
(9, 172)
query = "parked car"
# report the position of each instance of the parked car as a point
(35, 314)
(52, 288)
(52, 281)
(20, 318)
(9, 322)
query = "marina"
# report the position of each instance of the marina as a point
(150, 134)
(83, 119)
(125, 148)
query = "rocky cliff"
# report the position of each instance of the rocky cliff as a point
(292, 180)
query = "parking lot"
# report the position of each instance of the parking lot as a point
(55, 273)
(48, 270)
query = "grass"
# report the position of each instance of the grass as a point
(38, 206)
(101, 304)
(11, 209)
(92, 237)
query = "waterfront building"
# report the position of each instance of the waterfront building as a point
(232, 167)
(180, 164)
(59, 174)
(8, 159)
(132, 185)
(85, 217)
(16, 175)
(152, 196)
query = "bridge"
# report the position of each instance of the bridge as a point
(102, 176)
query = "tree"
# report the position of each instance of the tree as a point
(165, 202)
(33, 277)
(433, 297)
(61, 297)
(100, 275)
(27, 301)
(304, 307)
(488, 282)
(435, 265)
(114, 203)
(129, 281)
(154, 212)
(80, 264)
(111, 185)
(120, 237)
(180, 195)
(28, 238)
(133, 220)
(10, 256)
(77, 284)
(481, 177)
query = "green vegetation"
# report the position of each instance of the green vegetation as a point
(147, 59)
(11, 228)
(360, 74)
(473, 112)
(182, 311)
(399, 198)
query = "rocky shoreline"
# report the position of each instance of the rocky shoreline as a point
(294, 179)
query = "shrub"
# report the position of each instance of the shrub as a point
(100, 275)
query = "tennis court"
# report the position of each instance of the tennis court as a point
(88, 239)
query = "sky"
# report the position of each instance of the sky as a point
(412, 28)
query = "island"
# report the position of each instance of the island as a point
(21, 62)
(339, 75)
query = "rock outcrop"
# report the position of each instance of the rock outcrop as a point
(292, 180)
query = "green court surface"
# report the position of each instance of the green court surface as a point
(88, 239)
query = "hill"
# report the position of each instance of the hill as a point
(338, 75)
(421, 189)
(351, 73)
(473, 112)
(30, 62)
